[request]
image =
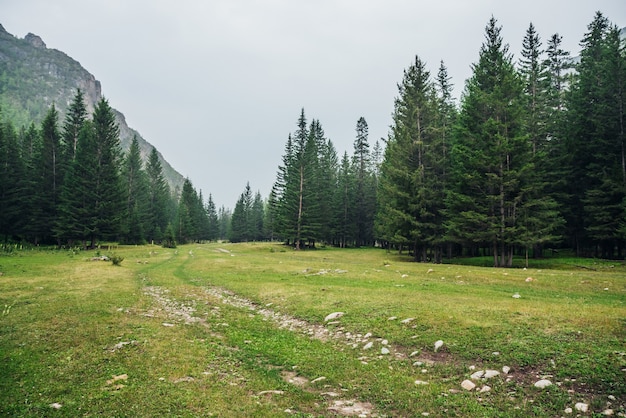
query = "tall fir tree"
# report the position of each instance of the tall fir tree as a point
(596, 143)
(135, 186)
(158, 199)
(490, 156)
(49, 169)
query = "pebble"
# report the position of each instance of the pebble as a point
(506, 369)
(608, 412)
(368, 346)
(420, 382)
(568, 410)
(55, 405)
(485, 389)
(438, 345)
(414, 353)
(516, 296)
(384, 350)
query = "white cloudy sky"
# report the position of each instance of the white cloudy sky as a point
(217, 85)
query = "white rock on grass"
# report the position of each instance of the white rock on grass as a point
(568, 410)
(608, 412)
(468, 385)
(368, 346)
(516, 296)
(485, 389)
(420, 382)
(581, 406)
(334, 315)
(543, 383)
(506, 369)
(438, 345)
(490, 373)
(55, 405)
(384, 350)
(477, 375)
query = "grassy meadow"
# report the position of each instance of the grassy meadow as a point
(239, 330)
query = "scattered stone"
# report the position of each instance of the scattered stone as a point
(414, 353)
(477, 375)
(408, 320)
(392, 318)
(385, 342)
(608, 412)
(351, 408)
(495, 353)
(490, 373)
(485, 389)
(55, 405)
(543, 383)
(468, 385)
(516, 296)
(368, 346)
(420, 382)
(270, 392)
(319, 379)
(568, 410)
(334, 315)
(183, 379)
(366, 336)
(611, 397)
(404, 276)
(506, 369)
(430, 271)
(330, 394)
(438, 345)
(472, 367)
(418, 363)
(116, 378)
(581, 406)
(167, 324)
(384, 350)
(529, 279)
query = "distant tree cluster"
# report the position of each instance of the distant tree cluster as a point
(71, 185)
(533, 157)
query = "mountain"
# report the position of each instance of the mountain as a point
(33, 77)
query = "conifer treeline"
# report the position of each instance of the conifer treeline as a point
(534, 157)
(71, 185)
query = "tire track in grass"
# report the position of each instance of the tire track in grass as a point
(180, 312)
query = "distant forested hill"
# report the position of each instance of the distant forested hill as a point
(33, 77)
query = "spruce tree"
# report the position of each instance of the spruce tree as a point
(49, 169)
(74, 120)
(596, 143)
(490, 155)
(11, 192)
(158, 199)
(214, 228)
(135, 186)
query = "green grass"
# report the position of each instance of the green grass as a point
(62, 316)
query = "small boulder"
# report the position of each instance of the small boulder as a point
(368, 346)
(384, 350)
(468, 385)
(543, 383)
(438, 345)
(506, 369)
(485, 389)
(490, 373)
(581, 406)
(334, 315)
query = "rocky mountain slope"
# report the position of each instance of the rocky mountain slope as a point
(33, 77)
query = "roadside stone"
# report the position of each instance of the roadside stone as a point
(468, 385)
(490, 373)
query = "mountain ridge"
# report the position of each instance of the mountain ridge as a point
(33, 77)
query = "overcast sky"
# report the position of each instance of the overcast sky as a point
(217, 85)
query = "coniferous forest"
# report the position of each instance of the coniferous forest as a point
(532, 159)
